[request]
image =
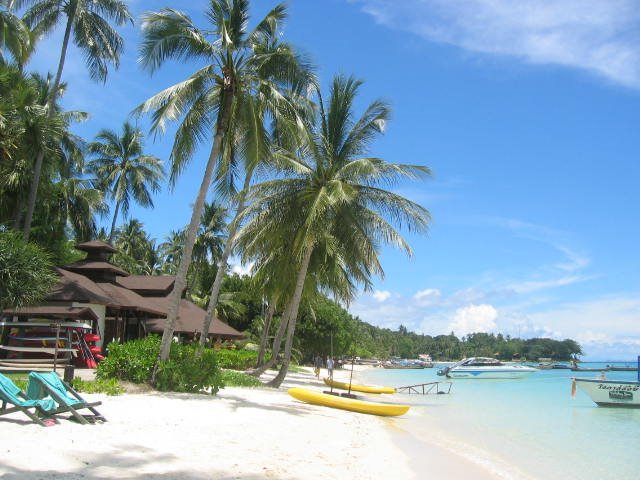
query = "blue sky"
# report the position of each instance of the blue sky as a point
(528, 114)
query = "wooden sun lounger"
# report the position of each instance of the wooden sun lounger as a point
(11, 394)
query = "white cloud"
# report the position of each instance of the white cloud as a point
(428, 296)
(381, 295)
(534, 286)
(474, 318)
(600, 36)
(593, 337)
(240, 268)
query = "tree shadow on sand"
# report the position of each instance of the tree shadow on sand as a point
(135, 468)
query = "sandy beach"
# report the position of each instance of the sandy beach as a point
(238, 434)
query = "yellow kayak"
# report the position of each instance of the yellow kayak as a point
(359, 388)
(333, 401)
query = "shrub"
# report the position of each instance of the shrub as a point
(110, 386)
(186, 370)
(189, 369)
(238, 379)
(237, 359)
(132, 361)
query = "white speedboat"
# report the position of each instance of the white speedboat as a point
(484, 367)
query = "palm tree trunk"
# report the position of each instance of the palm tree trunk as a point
(18, 214)
(113, 223)
(185, 261)
(222, 264)
(277, 341)
(297, 296)
(265, 333)
(37, 168)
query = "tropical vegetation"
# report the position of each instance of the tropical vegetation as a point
(291, 186)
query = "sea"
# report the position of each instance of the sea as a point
(521, 429)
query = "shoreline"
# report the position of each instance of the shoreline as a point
(240, 433)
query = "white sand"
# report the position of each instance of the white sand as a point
(240, 433)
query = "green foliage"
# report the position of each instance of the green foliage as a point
(189, 369)
(237, 359)
(186, 370)
(232, 378)
(20, 379)
(26, 272)
(131, 361)
(110, 386)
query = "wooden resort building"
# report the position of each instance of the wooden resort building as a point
(94, 303)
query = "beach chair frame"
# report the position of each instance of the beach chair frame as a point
(65, 406)
(20, 396)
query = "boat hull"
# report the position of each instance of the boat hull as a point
(359, 406)
(506, 373)
(359, 388)
(611, 393)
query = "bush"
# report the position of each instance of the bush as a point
(132, 361)
(110, 386)
(187, 369)
(239, 379)
(237, 359)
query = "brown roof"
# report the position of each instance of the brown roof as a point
(130, 300)
(77, 313)
(92, 265)
(94, 245)
(148, 283)
(190, 318)
(72, 287)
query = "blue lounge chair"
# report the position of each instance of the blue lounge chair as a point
(49, 384)
(11, 394)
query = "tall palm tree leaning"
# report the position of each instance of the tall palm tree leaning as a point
(223, 94)
(88, 20)
(334, 199)
(123, 170)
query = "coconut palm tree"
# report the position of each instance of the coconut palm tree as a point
(14, 35)
(42, 131)
(171, 250)
(100, 44)
(124, 171)
(210, 239)
(240, 81)
(333, 201)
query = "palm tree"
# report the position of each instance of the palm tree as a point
(14, 35)
(239, 81)
(92, 34)
(124, 171)
(210, 240)
(37, 129)
(171, 250)
(333, 202)
(137, 253)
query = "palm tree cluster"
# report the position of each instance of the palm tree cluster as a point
(51, 188)
(300, 197)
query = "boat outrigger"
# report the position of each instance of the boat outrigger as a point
(358, 388)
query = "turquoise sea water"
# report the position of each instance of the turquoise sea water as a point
(524, 428)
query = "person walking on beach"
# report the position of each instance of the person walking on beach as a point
(330, 367)
(317, 365)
